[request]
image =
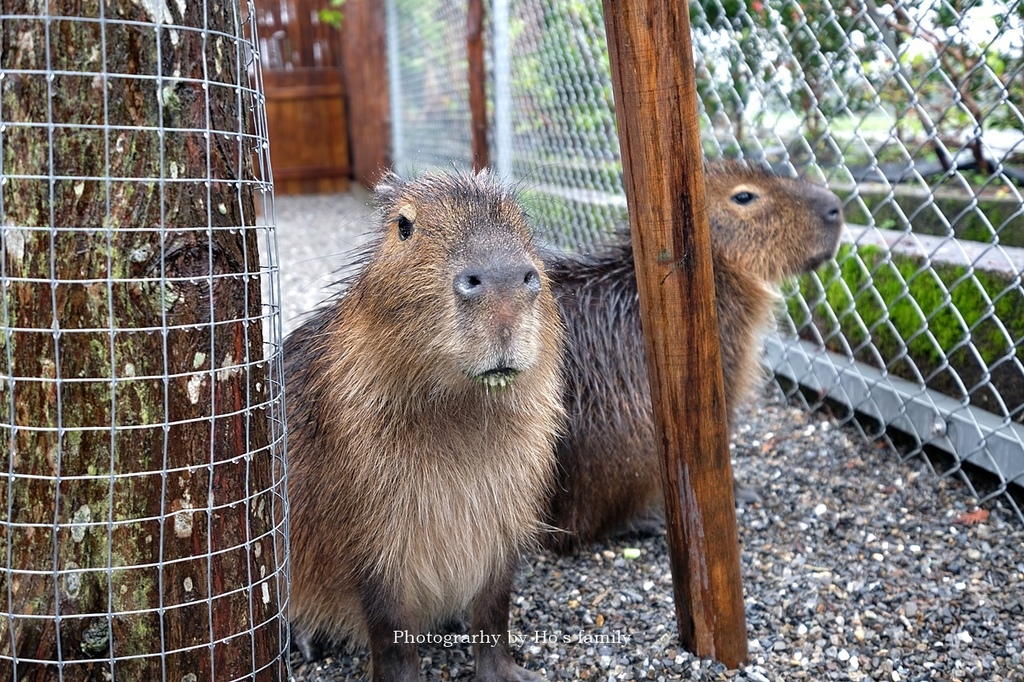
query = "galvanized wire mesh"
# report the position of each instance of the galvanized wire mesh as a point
(142, 483)
(432, 128)
(910, 111)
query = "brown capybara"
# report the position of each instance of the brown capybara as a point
(764, 228)
(423, 406)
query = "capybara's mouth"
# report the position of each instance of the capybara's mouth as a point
(499, 377)
(819, 260)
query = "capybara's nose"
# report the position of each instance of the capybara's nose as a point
(831, 210)
(503, 279)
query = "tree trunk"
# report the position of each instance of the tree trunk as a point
(136, 529)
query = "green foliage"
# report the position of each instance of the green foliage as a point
(956, 69)
(943, 65)
(903, 306)
(332, 15)
(564, 66)
(746, 46)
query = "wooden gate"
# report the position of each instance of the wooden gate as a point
(305, 97)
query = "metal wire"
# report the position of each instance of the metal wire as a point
(910, 111)
(191, 582)
(434, 121)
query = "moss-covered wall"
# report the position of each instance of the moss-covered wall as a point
(957, 330)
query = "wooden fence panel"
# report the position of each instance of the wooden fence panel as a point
(308, 135)
(305, 92)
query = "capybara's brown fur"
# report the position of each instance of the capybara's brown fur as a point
(423, 406)
(764, 228)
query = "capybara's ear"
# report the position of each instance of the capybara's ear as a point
(387, 189)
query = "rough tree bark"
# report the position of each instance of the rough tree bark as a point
(130, 512)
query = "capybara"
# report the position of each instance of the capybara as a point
(423, 405)
(764, 228)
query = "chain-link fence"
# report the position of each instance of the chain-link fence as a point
(429, 85)
(909, 111)
(141, 406)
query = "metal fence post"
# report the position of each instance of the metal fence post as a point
(502, 92)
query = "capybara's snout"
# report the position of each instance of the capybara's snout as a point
(829, 209)
(497, 294)
(499, 278)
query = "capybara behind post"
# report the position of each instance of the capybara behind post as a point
(763, 229)
(423, 405)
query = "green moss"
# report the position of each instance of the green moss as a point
(903, 306)
(73, 443)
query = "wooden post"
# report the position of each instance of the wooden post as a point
(477, 77)
(656, 104)
(368, 107)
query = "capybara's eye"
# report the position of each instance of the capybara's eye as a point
(743, 198)
(404, 228)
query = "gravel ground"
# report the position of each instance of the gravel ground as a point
(855, 566)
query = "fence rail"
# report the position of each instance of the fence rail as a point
(910, 111)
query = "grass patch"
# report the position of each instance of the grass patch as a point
(955, 329)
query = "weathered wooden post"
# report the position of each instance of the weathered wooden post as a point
(364, 46)
(477, 85)
(656, 105)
